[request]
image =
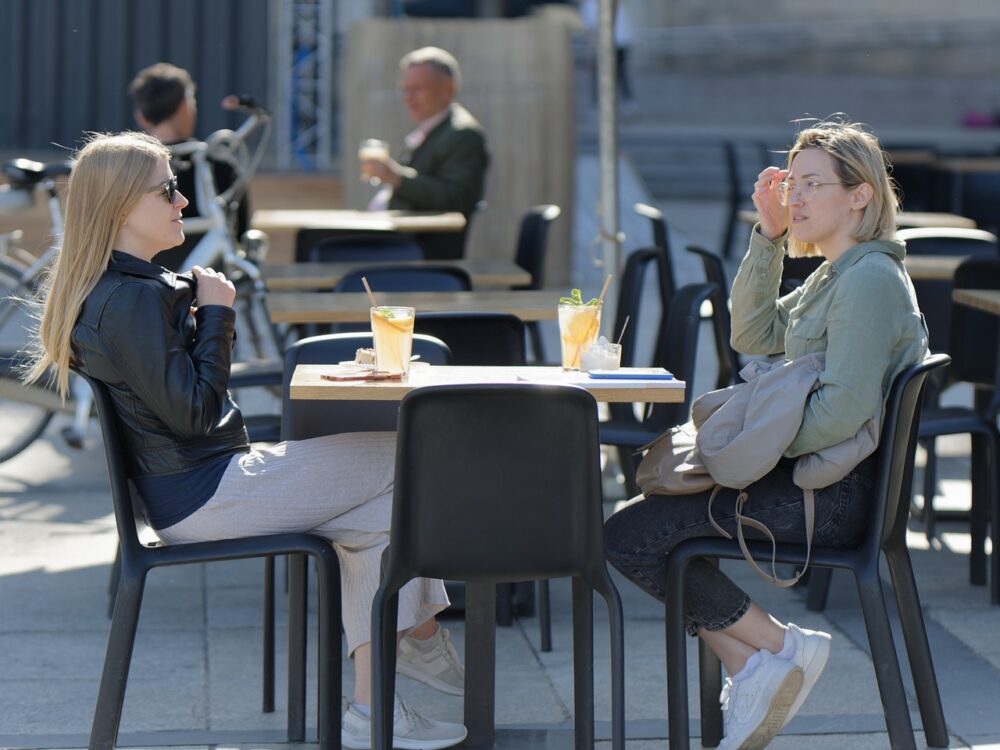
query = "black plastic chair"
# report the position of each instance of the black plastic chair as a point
(886, 536)
(477, 338)
(325, 246)
(794, 271)
(722, 323)
(680, 336)
(136, 562)
(973, 347)
(407, 279)
(484, 493)
(661, 239)
(532, 247)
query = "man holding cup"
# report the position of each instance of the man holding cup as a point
(443, 165)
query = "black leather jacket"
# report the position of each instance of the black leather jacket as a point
(167, 371)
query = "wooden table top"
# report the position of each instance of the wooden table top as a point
(307, 383)
(933, 267)
(987, 300)
(359, 221)
(484, 273)
(903, 219)
(351, 307)
(966, 164)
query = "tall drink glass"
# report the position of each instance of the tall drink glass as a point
(392, 330)
(372, 149)
(578, 328)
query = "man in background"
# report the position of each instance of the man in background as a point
(164, 105)
(443, 166)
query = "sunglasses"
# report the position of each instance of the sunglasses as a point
(169, 189)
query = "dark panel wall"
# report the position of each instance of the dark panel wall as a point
(65, 65)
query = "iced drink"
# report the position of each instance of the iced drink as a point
(392, 330)
(578, 327)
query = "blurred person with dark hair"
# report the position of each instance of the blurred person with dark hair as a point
(443, 166)
(164, 105)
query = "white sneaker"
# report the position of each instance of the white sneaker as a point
(812, 649)
(410, 730)
(434, 662)
(754, 707)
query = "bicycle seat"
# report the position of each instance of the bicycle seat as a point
(25, 173)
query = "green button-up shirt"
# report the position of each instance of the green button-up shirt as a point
(859, 309)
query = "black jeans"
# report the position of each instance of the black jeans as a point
(640, 537)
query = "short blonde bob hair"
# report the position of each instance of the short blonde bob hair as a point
(110, 174)
(858, 158)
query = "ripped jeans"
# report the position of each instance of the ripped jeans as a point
(640, 537)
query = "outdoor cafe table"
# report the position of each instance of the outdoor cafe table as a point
(353, 307)
(480, 598)
(484, 273)
(933, 267)
(411, 222)
(903, 219)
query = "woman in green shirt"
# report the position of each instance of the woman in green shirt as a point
(835, 199)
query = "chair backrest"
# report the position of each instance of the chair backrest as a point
(497, 482)
(715, 273)
(532, 242)
(630, 288)
(972, 342)
(796, 270)
(306, 419)
(477, 338)
(128, 524)
(897, 447)
(680, 352)
(661, 239)
(934, 296)
(322, 246)
(407, 279)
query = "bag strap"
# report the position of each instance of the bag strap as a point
(809, 501)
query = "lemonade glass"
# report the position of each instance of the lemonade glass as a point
(392, 331)
(578, 328)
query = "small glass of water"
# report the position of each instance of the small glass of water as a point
(372, 149)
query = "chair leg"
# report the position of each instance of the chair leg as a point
(819, 588)
(114, 580)
(890, 681)
(930, 488)
(583, 664)
(114, 678)
(994, 491)
(505, 604)
(616, 621)
(677, 693)
(385, 613)
(330, 672)
(268, 646)
(545, 615)
(626, 459)
(982, 445)
(710, 677)
(297, 585)
(918, 650)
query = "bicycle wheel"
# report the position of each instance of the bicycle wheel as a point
(25, 411)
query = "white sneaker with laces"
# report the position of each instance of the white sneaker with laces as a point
(754, 707)
(410, 730)
(433, 662)
(812, 649)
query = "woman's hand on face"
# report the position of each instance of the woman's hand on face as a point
(773, 215)
(213, 288)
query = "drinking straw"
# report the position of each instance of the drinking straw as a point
(622, 334)
(607, 283)
(368, 289)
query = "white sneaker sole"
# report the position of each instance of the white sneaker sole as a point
(811, 671)
(406, 670)
(352, 742)
(774, 719)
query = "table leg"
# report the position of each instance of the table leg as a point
(480, 663)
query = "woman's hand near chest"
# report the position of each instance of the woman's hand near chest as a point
(213, 287)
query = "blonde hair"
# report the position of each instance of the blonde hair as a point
(110, 174)
(858, 159)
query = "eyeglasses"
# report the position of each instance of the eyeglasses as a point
(169, 189)
(807, 190)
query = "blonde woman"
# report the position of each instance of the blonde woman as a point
(834, 198)
(162, 343)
